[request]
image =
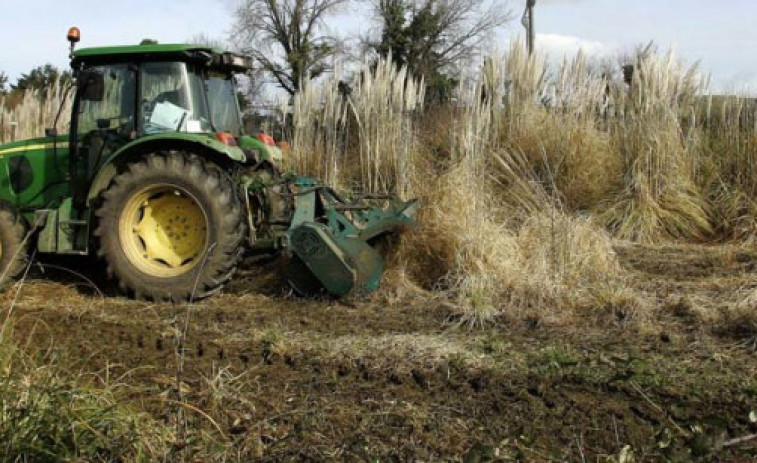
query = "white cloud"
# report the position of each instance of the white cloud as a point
(557, 46)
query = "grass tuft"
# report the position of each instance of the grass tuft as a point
(48, 413)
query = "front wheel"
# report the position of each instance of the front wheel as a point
(171, 227)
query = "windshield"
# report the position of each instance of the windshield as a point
(173, 99)
(224, 106)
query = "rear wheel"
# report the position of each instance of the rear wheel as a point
(171, 227)
(13, 246)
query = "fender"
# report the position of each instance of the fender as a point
(202, 144)
(263, 151)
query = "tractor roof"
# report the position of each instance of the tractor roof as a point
(158, 52)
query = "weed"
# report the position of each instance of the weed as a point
(46, 413)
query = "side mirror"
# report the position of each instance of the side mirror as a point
(91, 85)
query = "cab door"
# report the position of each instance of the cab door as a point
(105, 125)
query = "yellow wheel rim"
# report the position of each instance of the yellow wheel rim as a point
(163, 231)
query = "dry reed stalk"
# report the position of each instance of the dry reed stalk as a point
(318, 131)
(659, 199)
(36, 111)
(382, 104)
(502, 241)
(525, 77)
(481, 255)
(728, 171)
(380, 108)
(557, 122)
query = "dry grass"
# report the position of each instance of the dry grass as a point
(29, 114)
(728, 151)
(736, 318)
(493, 239)
(659, 199)
(571, 153)
(496, 222)
(379, 109)
(624, 152)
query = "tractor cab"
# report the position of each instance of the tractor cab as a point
(129, 101)
(137, 91)
(128, 93)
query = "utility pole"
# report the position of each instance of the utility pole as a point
(528, 22)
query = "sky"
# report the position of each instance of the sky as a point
(720, 35)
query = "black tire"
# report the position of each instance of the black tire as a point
(13, 246)
(193, 179)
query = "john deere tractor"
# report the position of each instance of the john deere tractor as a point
(156, 176)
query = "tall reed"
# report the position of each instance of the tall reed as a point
(317, 127)
(378, 109)
(491, 238)
(727, 128)
(27, 115)
(659, 198)
(559, 125)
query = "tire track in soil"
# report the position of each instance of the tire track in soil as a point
(292, 378)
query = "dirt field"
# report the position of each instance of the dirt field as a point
(275, 377)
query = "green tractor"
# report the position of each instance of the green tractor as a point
(157, 177)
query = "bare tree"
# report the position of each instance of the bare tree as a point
(286, 37)
(432, 37)
(208, 41)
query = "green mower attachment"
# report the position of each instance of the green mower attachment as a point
(332, 239)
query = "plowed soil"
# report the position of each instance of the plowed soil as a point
(272, 377)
